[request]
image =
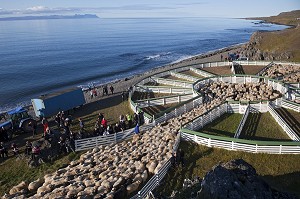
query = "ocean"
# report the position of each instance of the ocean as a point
(43, 56)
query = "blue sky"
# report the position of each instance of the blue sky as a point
(153, 8)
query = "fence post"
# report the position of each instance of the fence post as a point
(165, 117)
(255, 148)
(176, 112)
(195, 138)
(209, 144)
(232, 145)
(116, 138)
(210, 116)
(157, 179)
(185, 108)
(280, 148)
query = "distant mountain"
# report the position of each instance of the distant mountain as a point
(76, 16)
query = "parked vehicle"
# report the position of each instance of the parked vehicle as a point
(50, 104)
(17, 119)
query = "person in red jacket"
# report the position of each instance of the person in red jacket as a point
(104, 123)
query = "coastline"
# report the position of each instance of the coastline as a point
(123, 84)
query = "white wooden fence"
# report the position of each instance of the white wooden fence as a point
(164, 89)
(89, 143)
(290, 105)
(179, 110)
(289, 131)
(156, 179)
(207, 117)
(242, 145)
(172, 82)
(242, 123)
(163, 100)
(184, 76)
(201, 72)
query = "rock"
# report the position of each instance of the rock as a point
(236, 179)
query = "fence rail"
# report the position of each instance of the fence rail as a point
(290, 105)
(242, 123)
(178, 83)
(240, 144)
(156, 179)
(201, 72)
(89, 143)
(289, 131)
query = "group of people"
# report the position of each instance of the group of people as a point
(94, 93)
(4, 136)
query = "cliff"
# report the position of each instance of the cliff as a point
(276, 45)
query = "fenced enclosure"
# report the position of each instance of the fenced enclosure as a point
(163, 100)
(156, 179)
(290, 105)
(240, 144)
(289, 131)
(178, 110)
(90, 143)
(242, 123)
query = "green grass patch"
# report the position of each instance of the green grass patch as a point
(262, 126)
(13, 170)
(226, 125)
(280, 171)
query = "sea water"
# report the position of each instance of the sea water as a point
(43, 56)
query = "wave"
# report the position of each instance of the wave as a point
(159, 57)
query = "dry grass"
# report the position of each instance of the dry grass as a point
(175, 78)
(220, 70)
(153, 110)
(146, 95)
(252, 69)
(191, 73)
(262, 126)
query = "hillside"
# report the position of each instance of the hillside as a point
(277, 45)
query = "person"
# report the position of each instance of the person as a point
(95, 92)
(110, 129)
(123, 96)
(57, 119)
(137, 129)
(221, 57)
(91, 94)
(100, 117)
(35, 152)
(4, 134)
(45, 124)
(106, 90)
(136, 118)
(28, 148)
(62, 144)
(181, 152)
(129, 120)
(117, 128)
(111, 89)
(81, 124)
(104, 123)
(122, 122)
(69, 145)
(141, 117)
(3, 150)
(34, 127)
(15, 149)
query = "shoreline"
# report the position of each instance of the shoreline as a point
(123, 84)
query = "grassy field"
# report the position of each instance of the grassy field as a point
(13, 171)
(262, 126)
(291, 117)
(226, 125)
(282, 41)
(280, 171)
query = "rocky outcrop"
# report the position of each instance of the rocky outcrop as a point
(253, 52)
(237, 179)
